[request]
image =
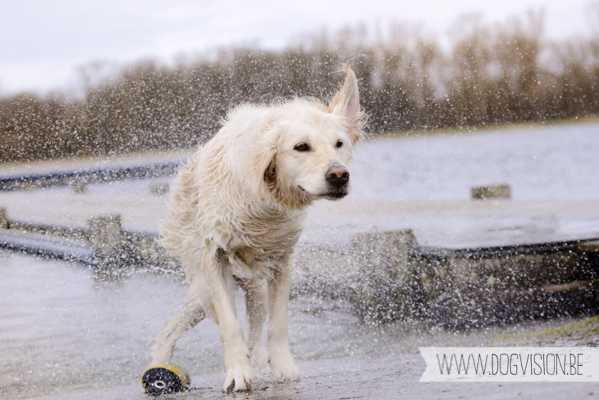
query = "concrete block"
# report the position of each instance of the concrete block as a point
(491, 192)
(106, 235)
(159, 188)
(517, 271)
(589, 246)
(386, 286)
(79, 186)
(328, 273)
(146, 252)
(462, 310)
(3, 218)
(462, 291)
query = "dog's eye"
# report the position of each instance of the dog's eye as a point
(339, 143)
(301, 147)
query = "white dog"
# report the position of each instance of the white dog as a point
(238, 210)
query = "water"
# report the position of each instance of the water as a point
(419, 183)
(63, 329)
(550, 163)
(65, 333)
(539, 163)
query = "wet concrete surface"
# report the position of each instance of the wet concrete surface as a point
(66, 334)
(389, 376)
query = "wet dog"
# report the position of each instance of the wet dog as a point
(237, 212)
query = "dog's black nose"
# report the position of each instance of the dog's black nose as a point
(337, 176)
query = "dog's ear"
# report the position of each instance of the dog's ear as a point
(347, 103)
(262, 160)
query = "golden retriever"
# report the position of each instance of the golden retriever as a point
(238, 210)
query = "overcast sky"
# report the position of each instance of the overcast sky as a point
(42, 42)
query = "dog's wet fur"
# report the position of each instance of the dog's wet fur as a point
(237, 212)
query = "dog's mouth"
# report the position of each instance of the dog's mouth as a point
(334, 195)
(330, 194)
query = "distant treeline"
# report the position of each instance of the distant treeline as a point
(487, 75)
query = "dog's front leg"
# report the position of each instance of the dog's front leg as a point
(256, 299)
(237, 354)
(279, 354)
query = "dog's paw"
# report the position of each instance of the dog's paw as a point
(283, 368)
(239, 377)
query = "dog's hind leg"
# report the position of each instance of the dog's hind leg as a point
(237, 354)
(191, 314)
(256, 298)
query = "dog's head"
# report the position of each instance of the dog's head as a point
(302, 151)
